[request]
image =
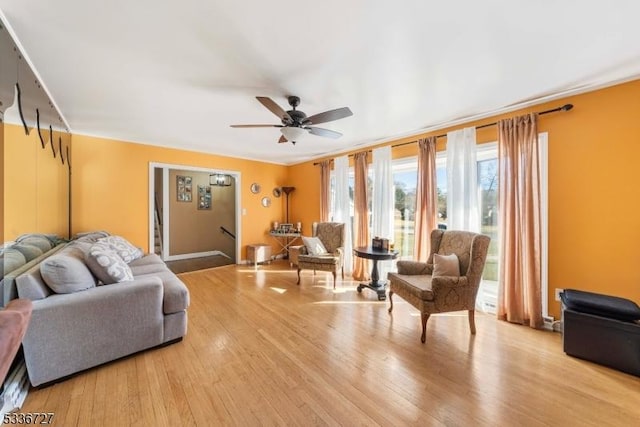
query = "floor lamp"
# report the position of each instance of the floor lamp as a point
(287, 191)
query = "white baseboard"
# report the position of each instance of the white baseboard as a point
(196, 255)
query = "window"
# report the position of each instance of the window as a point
(405, 174)
(405, 177)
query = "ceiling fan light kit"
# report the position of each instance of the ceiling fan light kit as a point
(293, 134)
(295, 123)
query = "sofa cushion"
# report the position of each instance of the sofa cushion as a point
(147, 260)
(91, 236)
(139, 270)
(446, 265)
(29, 251)
(10, 259)
(419, 286)
(9, 281)
(30, 285)
(66, 271)
(44, 241)
(123, 248)
(107, 265)
(326, 259)
(175, 293)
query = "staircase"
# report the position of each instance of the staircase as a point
(157, 229)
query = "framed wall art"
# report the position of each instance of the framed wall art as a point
(204, 197)
(184, 185)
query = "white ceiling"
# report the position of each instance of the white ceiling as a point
(178, 74)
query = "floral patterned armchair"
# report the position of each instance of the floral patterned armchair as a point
(429, 293)
(332, 235)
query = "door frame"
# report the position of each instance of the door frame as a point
(165, 202)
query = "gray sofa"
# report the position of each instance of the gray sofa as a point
(79, 321)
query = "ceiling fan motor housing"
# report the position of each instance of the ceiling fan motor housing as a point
(297, 116)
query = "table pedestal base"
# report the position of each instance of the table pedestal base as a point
(380, 288)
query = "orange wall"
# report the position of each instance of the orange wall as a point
(111, 178)
(35, 186)
(594, 228)
(594, 196)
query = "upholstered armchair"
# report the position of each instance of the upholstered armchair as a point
(332, 235)
(431, 287)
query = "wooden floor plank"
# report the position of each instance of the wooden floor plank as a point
(261, 350)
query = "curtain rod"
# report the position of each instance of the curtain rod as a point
(565, 107)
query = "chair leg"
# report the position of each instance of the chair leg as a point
(342, 273)
(334, 279)
(472, 321)
(424, 317)
(390, 301)
(298, 282)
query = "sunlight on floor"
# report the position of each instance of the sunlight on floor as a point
(278, 290)
(252, 270)
(347, 302)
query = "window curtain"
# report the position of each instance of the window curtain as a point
(382, 198)
(426, 198)
(325, 176)
(361, 214)
(463, 209)
(342, 208)
(382, 210)
(519, 221)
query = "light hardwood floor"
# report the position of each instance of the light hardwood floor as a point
(262, 351)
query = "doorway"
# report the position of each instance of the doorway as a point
(194, 212)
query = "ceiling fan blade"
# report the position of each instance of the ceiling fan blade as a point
(282, 139)
(256, 126)
(274, 108)
(324, 132)
(328, 116)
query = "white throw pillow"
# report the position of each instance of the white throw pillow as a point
(123, 248)
(446, 265)
(66, 272)
(314, 246)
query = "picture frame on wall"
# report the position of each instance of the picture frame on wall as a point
(184, 184)
(204, 197)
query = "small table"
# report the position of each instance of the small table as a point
(284, 242)
(376, 255)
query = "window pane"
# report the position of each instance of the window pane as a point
(441, 189)
(488, 183)
(405, 177)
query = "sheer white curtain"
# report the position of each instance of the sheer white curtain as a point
(382, 210)
(463, 209)
(383, 200)
(342, 207)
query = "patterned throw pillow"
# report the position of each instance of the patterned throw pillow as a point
(314, 246)
(107, 265)
(446, 265)
(123, 248)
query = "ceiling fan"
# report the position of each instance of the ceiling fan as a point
(295, 123)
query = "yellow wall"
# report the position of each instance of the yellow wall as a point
(111, 178)
(35, 186)
(594, 197)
